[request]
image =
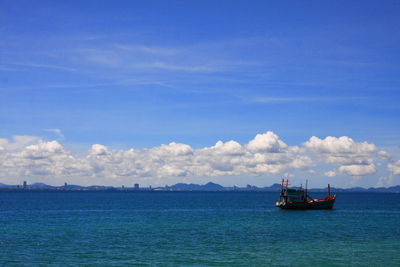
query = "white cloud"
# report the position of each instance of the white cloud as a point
(384, 155)
(228, 148)
(42, 150)
(330, 173)
(394, 167)
(18, 142)
(353, 158)
(98, 150)
(27, 156)
(358, 170)
(39, 159)
(174, 149)
(267, 142)
(341, 145)
(265, 154)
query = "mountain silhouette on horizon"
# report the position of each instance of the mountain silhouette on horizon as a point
(210, 186)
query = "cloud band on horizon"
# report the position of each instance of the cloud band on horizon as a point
(265, 154)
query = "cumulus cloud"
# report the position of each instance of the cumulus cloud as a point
(383, 155)
(341, 145)
(18, 142)
(39, 159)
(266, 153)
(267, 142)
(98, 150)
(394, 167)
(330, 173)
(358, 170)
(353, 158)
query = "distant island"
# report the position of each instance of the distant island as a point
(211, 187)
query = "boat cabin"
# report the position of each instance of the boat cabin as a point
(294, 195)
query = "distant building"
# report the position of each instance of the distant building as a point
(136, 186)
(24, 185)
(65, 185)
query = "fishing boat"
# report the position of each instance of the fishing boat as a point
(298, 198)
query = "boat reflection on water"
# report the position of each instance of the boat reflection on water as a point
(298, 198)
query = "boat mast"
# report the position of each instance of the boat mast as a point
(285, 196)
(329, 190)
(306, 190)
(281, 192)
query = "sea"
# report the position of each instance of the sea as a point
(127, 228)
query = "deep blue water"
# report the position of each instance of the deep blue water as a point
(195, 229)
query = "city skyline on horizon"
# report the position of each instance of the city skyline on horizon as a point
(208, 186)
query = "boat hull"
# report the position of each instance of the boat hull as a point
(312, 204)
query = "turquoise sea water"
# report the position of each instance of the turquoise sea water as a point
(195, 229)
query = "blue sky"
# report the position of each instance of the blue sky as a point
(138, 74)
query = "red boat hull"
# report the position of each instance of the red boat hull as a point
(325, 203)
